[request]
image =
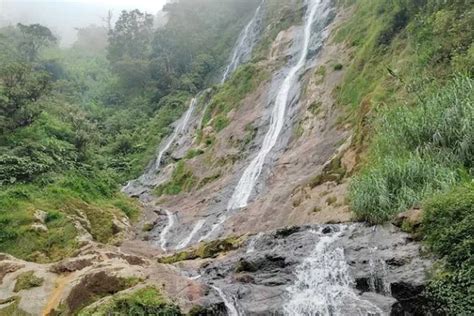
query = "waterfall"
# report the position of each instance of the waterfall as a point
(148, 178)
(249, 178)
(165, 231)
(190, 237)
(253, 241)
(243, 48)
(180, 128)
(232, 309)
(378, 274)
(323, 285)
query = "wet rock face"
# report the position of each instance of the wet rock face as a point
(384, 268)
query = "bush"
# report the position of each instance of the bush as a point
(27, 280)
(146, 301)
(450, 293)
(417, 151)
(396, 184)
(181, 180)
(443, 125)
(448, 227)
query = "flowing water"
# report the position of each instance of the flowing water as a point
(323, 285)
(243, 49)
(253, 241)
(231, 307)
(378, 274)
(165, 231)
(241, 53)
(249, 178)
(149, 177)
(183, 244)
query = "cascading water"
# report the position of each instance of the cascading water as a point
(232, 309)
(251, 174)
(378, 274)
(324, 286)
(191, 235)
(165, 231)
(243, 49)
(253, 241)
(249, 178)
(149, 177)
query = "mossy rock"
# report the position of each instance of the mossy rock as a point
(27, 280)
(332, 172)
(204, 250)
(245, 266)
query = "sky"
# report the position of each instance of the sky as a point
(63, 16)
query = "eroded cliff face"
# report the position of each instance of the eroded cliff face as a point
(310, 140)
(295, 250)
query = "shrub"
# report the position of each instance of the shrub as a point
(146, 301)
(181, 180)
(396, 184)
(448, 228)
(448, 225)
(27, 280)
(417, 151)
(450, 293)
(443, 124)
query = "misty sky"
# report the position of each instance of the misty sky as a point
(62, 16)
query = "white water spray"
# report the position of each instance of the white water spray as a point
(378, 282)
(228, 302)
(180, 129)
(183, 244)
(149, 177)
(253, 241)
(165, 231)
(249, 178)
(324, 286)
(244, 46)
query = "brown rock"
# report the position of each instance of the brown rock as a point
(9, 267)
(71, 265)
(412, 218)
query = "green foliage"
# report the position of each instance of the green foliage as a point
(196, 42)
(396, 184)
(410, 90)
(448, 228)
(441, 124)
(448, 225)
(194, 153)
(34, 38)
(27, 280)
(21, 87)
(228, 96)
(451, 292)
(146, 301)
(279, 16)
(181, 180)
(416, 152)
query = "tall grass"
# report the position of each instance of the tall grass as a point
(417, 151)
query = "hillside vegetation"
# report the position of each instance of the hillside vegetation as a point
(77, 123)
(409, 90)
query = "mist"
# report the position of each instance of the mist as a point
(63, 16)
